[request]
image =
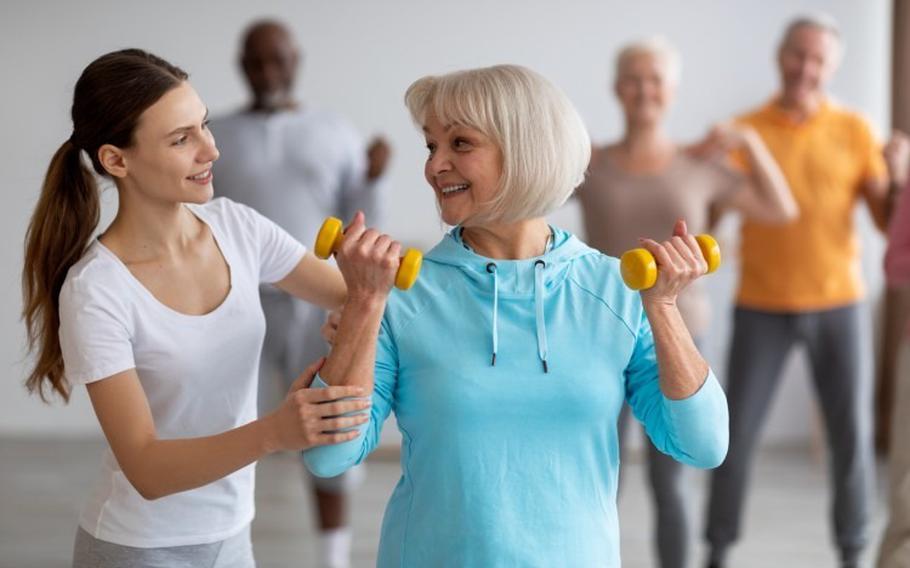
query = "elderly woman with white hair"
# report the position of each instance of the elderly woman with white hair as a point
(642, 183)
(509, 360)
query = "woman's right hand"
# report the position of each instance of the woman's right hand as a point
(313, 417)
(368, 260)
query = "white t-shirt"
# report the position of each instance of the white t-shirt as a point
(198, 372)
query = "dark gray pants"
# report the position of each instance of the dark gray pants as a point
(670, 506)
(671, 526)
(839, 358)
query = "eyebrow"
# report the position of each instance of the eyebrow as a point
(184, 128)
(447, 127)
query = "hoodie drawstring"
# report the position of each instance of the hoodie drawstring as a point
(491, 268)
(541, 324)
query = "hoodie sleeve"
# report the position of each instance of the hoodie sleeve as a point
(329, 461)
(694, 430)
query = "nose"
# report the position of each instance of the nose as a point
(439, 162)
(208, 152)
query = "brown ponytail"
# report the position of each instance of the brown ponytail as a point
(110, 96)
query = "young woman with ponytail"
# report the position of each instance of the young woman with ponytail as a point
(159, 317)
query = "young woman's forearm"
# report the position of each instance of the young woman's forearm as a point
(165, 467)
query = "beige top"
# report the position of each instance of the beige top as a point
(620, 207)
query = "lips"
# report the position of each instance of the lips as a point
(202, 177)
(454, 189)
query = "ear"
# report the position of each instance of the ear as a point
(112, 160)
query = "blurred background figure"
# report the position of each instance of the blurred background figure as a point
(642, 184)
(296, 165)
(801, 284)
(895, 549)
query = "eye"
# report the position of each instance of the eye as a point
(205, 124)
(461, 144)
(180, 141)
(431, 147)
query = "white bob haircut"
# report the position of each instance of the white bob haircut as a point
(545, 146)
(656, 47)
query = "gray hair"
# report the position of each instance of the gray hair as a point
(544, 143)
(657, 47)
(820, 21)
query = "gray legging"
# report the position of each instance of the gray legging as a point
(232, 552)
(840, 362)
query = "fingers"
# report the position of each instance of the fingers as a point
(332, 393)
(339, 407)
(679, 228)
(306, 377)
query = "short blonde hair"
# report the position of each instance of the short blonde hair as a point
(545, 146)
(657, 47)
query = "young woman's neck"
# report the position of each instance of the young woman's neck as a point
(512, 241)
(144, 229)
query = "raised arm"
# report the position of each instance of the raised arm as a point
(315, 281)
(368, 260)
(688, 417)
(765, 195)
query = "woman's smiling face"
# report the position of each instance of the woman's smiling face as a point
(464, 168)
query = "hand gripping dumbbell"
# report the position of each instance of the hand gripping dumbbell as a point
(332, 233)
(639, 270)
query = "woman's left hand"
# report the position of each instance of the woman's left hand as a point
(679, 262)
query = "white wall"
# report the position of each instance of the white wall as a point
(360, 56)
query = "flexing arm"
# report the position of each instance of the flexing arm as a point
(368, 261)
(766, 195)
(683, 408)
(679, 261)
(157, 467)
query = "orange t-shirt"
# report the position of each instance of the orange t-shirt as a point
(811, 263)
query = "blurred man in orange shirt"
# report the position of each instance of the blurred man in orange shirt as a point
(801, 284)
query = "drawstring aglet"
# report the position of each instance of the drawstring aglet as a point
(493, 361)
(545, 369)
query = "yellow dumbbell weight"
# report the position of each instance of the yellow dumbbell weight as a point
(332, 233)
(639, 270)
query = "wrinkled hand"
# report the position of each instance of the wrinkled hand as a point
(378, 154)
(679, 263)
(897, 156)
(330, 326)
(312, 417)
(368, 260)
(722, 139)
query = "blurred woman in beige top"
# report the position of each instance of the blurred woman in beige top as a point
(642, 183)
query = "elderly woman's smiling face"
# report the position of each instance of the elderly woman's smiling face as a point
(463, 168)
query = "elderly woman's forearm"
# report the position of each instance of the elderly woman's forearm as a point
(682, 368)
(353, 353)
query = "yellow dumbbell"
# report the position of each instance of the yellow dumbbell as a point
(332, 233)
(639, 270)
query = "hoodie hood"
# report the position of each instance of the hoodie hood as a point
(515, 277)
(529, 278)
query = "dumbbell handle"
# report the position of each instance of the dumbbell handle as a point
(331, 235)
(639, 269)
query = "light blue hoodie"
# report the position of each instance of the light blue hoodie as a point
(515, 464)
